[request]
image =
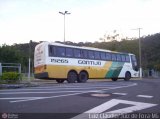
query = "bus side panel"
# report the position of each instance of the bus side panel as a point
(115, 70)
(61, 71)
(99, 72)
(128, 67)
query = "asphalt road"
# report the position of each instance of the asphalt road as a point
(92, 100)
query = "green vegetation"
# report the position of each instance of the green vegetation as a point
(10, 77)
(19, 53)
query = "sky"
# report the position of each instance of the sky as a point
(39, 20)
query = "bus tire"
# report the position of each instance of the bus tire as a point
(82, 77)
(60, 80)
(127, 76)
(114, 79)
(72, 77)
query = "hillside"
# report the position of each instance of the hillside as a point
(19, 53)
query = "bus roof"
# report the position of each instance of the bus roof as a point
(82, 47)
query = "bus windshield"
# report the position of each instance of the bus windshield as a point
(134, 62)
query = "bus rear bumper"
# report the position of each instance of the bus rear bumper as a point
(41, 75)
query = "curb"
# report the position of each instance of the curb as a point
(14, 86)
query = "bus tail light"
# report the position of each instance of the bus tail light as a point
(45, 66)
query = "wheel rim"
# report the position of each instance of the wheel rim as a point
(128, 76)
(83, 77)
(72, 77)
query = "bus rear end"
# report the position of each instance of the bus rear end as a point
(39, 61)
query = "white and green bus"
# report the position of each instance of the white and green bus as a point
(78, 64)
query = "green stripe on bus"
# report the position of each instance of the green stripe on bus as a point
(115, 69)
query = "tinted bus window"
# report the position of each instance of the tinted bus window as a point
(114, 57)
(77, 53)
(84, 54)
(51, 50)
(69, 52)
(123, 58)
(60, 51)
(97, 55)
(127, 59)
(118, 57)
(108, 56)
(91, 54)
(103, 55)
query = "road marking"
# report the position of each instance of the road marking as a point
(18, 98)
(37, 92)
(136, 106)
(45, 97)
(107, 105)
(120, 93)
(145, 96)
(67, 87)
(134, 84)
(60, 88)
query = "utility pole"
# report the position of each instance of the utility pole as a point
(29, 62)
(140, 52)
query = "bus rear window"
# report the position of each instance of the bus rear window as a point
(51, 50)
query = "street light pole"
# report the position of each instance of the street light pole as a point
(64, 13)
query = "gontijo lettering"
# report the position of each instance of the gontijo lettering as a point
(89, 62)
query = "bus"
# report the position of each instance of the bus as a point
(62, 62)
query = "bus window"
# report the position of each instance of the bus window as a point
(77, 53)
(119, 58)
(113, 57)
(84, 54)
(97, 55)
(127, 58)
(91, 54)
(69, 52)
(51, 50)
(103, 56)
(123, 58)
(60, 51)
(108, 56)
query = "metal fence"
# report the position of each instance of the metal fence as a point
(151, 73)
(16, 67)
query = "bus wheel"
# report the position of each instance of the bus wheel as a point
(60, 80)
(72, 77)
(83, 77)
(114, 79)
(127, 76)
